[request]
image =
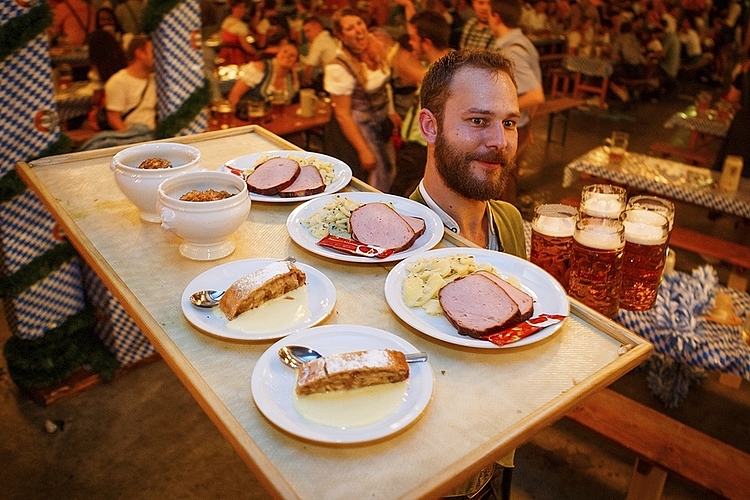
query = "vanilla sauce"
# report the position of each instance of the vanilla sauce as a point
(276, 314)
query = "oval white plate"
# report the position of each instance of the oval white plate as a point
(341, 171)
(321, 296)
(431, 237)
(549, 296)
(273, 383)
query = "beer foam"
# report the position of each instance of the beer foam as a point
(643, 233)
(599, 239)
(603, 205)
(555, 226)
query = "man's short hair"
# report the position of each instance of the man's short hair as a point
(312, 19)
(138, 42)
(432, 26)
(435, 89)
(509, 11)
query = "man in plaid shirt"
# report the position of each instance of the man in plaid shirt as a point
(476, 33)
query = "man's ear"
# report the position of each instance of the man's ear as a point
(428, 125)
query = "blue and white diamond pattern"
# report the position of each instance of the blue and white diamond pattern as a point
(28, 230)
(179, 62)
(49, 302)
(114, 326)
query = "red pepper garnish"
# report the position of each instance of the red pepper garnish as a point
(354, 247)
(235, 171)
(524, 329)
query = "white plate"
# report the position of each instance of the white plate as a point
(431, 237)
(273, 383)
(549, 296)
(320, 292)
(341, 171)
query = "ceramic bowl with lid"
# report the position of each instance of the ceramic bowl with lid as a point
(140, 185)
(205, 226)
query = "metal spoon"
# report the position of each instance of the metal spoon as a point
(294, 355)
(206, 298)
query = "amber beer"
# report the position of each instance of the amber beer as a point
(596, 264)
(643, 259)
(551, 238)
(603, 200)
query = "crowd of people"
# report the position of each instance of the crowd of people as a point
(370, 57)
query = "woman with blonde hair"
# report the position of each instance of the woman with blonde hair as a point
(364, 118)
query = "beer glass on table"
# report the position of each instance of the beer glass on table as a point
(603, 201)
(596, 263)
(616, 146)
(551, 238)
(643, 258)
(256, 111)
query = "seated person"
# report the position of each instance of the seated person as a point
(261, 80)
(235, 49)
(131, 92)
(72, 21)
(322, 50)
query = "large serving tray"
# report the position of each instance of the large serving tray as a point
(484, 403)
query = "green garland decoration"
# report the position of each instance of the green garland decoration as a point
(19, 31)
(60, 353)
(11, 186)
(61, 146)
(38, 268)
(181, 118)
(154, 12)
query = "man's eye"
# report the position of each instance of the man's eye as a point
(510, 124)
(478, 121)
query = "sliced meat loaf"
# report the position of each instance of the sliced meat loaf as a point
(272, 176)
(308, 182)
(416, 223)
(476, 306)
(524, 300)
(380, 225)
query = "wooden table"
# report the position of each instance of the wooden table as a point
(485, 402)
(75, 100)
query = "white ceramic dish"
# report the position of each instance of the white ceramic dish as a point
(320, 292)
(273, 383)
(341, 171)
(140, 185)
(431, 237)
(549, 297)
(205, 226)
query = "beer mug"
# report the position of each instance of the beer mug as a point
(551, 238)
(308, 100)
(596, 263)
(603, 201)
(655, 204)
(278, 100)
(223, 113)
(616, 145)
(643, 257)
(256, 111)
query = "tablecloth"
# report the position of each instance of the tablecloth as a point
(689, 119)
(590, 66)
(75, 101)
(663, 177)
(686, 344)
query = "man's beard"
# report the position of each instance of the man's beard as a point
(455, 169)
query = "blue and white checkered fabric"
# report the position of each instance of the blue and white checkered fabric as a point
(179, 62)
(662, 177)
(28, 116)
(49, 302)
(114, 326)
(677, 329)
(690, 120)
(28, 230)
(590, 66)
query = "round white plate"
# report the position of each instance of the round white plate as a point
(273, 383)
(341, 171)
(549, 296)
(431, 237)
(320, 292)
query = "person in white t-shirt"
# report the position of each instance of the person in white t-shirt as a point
(130, 93)
(323, 48)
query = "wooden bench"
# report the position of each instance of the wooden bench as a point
(727, 251)
(555, 106)
(690, 156)
(664, 445)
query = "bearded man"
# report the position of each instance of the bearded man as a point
(469, 117)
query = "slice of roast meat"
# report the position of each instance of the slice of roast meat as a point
(416, 223)
(476, 306)
(272, 176)
(308, 182)
(524, 300)
(380, 225)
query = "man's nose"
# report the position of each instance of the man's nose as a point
(498, 136)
